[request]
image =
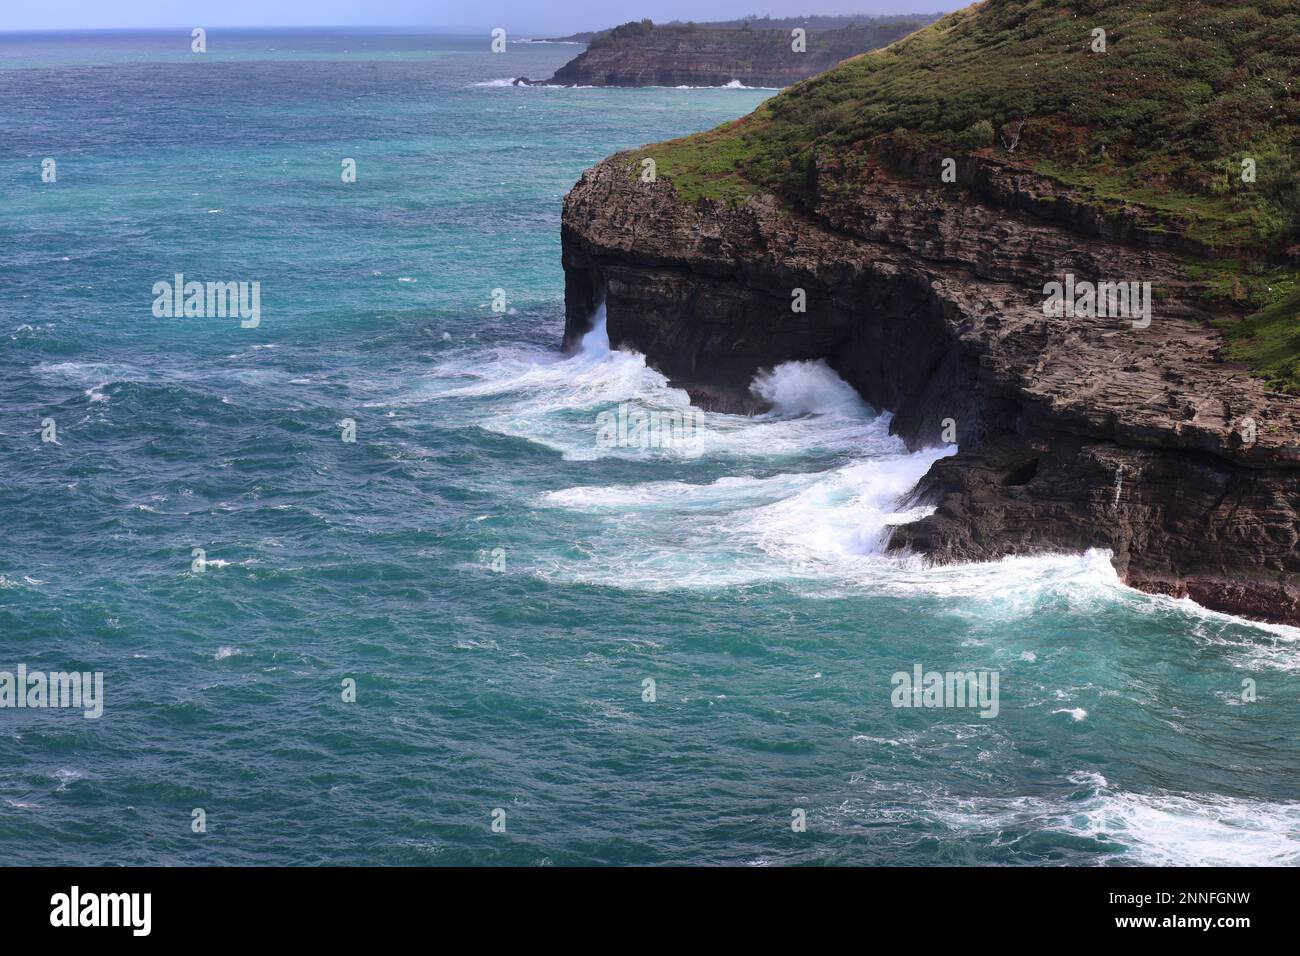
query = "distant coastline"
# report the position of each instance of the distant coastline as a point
(756, 53)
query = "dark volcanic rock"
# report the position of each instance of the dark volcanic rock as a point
(1074, 432)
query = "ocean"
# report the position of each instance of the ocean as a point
(373, 580)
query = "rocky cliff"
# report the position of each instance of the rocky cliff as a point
(928, 296)
(707, 55)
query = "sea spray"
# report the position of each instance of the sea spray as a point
(808, 388)
(595, 343)
(812, 524)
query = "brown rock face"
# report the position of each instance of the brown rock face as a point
(1074, 432)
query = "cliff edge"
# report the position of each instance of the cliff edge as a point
(925, 254)
(759, 53)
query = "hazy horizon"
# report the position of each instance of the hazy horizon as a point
(563, 17)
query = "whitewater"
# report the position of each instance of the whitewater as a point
(803, 496)
(821, 531)
(498, 580)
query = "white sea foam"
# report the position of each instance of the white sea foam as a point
(1076, 713)
(1212, 623)
(1152, 829)
(66, 777)
(771, 518)
(92, 375)
(821, 529)
(1204, 830)
(548, 399)
(808, 388)
(554, 401)
(1155, 828)
(743, 529)
(729, 85)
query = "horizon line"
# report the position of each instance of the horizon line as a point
(227, 26)
(416, 27)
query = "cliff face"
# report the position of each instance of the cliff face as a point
(712, 56)
(1074, 432)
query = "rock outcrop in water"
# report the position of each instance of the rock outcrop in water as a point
(638, 54)
(1074, 432)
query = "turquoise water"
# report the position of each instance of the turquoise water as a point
(498, 581)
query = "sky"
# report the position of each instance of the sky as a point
(526, 17)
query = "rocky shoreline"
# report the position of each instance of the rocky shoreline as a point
(1074, 433)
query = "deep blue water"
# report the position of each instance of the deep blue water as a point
(497, 581)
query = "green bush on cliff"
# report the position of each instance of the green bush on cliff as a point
(1184, 92)
(978, 135)
(1269, 341)
(1187, 100)
(626, 31)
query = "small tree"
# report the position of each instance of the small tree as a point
(1011, 135)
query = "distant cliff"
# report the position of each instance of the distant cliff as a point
(756, 53)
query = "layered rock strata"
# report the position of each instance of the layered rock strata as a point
(1074, 432)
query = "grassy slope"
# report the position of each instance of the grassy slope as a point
(1269, 341)
(1163, 119)
(755, 45)
(819, 30)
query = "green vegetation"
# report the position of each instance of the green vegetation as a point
(627, 31)
(1241, 286)
(1185, 91)
(1162, 121)
(764, 36)
(814, 23)
(1269, 342)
